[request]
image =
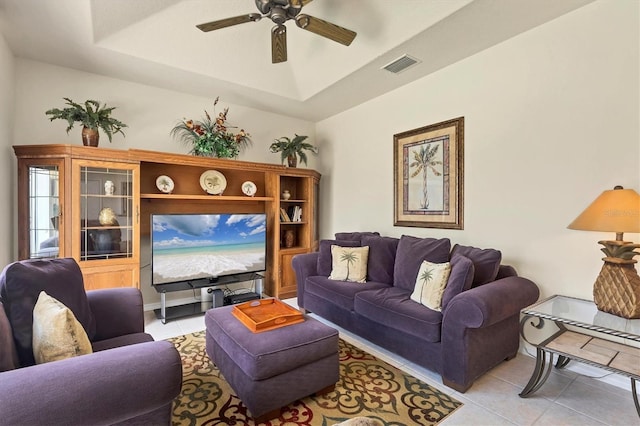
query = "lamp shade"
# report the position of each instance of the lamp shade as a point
(615, 210)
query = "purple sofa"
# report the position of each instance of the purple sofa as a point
(128, 379)
(478, 326)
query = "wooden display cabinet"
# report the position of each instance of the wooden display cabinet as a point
(80, 202)
(61, 195)
(295, 227)
(270, 180)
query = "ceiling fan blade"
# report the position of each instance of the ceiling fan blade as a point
(325, 29)
(228, 22)
(278, 44)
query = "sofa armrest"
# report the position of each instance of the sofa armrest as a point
(101, 388)
(480, 328)
(117, 311)
(491, 303)
(304, 265)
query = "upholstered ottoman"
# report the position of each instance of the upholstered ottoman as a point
(272, 369)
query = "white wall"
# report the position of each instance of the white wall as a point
(7, 171)
(552, 119)
(149, 112)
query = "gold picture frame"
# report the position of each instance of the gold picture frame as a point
(428, 173)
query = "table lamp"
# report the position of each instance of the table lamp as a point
(617, 288)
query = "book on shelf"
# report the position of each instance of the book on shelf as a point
(284, 217)
(295, 213)
(291, 214)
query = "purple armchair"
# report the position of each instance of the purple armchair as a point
(128, 379)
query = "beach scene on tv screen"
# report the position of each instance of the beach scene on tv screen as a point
(189, 247)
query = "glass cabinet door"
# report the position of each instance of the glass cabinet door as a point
(40, 211)
(106, 216)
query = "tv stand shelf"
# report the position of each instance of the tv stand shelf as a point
(181, 311)
(165, 313)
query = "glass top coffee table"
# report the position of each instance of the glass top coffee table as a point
(574, 329)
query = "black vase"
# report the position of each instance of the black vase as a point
(102, 241)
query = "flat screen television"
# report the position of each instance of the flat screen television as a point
(190, 247)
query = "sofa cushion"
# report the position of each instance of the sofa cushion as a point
(354, 236)
(382, 257)
(392, 307)
(8, 355)
(57, 334)
(460, 278)
(349, 263)
(20, 285)
(410, 254)
(486, 262)
(340, 293)
(430, 284)
(324, 256)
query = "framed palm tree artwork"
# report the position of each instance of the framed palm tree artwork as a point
(429, 176)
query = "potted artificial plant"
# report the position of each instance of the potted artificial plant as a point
(211, 137)
(92, 115)
(291, 149)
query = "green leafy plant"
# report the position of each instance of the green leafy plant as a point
(92, 115)
(291, 149)
(211, 137)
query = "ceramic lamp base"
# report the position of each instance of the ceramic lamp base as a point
(617, 290)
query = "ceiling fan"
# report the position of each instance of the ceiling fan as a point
(280, 11)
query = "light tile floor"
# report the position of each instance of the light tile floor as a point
(567, 398)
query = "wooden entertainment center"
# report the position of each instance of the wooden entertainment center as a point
(65, 208)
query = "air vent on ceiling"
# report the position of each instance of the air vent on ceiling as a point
(401, 64)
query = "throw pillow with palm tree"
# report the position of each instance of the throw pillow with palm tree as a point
(349, 263)
(430, 284)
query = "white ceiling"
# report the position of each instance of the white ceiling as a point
(156, 42)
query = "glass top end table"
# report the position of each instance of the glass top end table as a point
(574, 329)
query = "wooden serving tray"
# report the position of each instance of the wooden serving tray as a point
(266, 314)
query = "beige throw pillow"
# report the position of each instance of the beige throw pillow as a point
(430, 284)
(349, 263)
(57, 334)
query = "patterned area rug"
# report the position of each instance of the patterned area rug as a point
(367, 387)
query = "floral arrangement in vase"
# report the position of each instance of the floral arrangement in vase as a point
(212, 137)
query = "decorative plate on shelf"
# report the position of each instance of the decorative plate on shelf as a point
(164, 184)
(213, 182)
(249, 188)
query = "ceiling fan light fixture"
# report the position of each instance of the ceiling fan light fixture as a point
(280, 11)
(278, 15)
(401, 64)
